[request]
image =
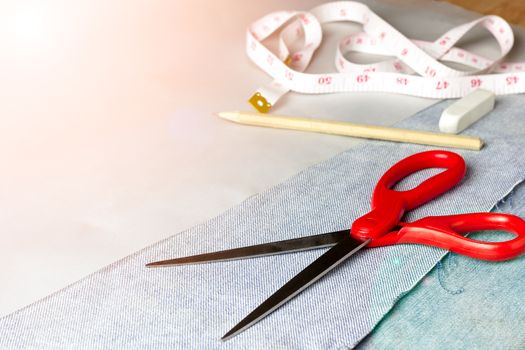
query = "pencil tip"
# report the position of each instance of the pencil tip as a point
(227, 115)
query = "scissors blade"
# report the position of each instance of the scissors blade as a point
(287, 246)
(313, 272)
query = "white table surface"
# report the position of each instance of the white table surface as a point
(107, 136)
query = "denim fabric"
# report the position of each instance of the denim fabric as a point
(126, 305)
(463, 303)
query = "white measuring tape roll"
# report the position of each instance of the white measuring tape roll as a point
(415, 70)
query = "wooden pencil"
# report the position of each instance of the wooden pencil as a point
(354, 130)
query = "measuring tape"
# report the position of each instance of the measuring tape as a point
(415, 69)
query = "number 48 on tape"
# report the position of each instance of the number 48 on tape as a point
(416, 68)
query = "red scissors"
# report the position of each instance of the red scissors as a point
(381, 227)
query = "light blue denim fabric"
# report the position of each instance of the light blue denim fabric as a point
(128, 306)
(463, 303)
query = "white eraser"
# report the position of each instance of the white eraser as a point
(466, 111)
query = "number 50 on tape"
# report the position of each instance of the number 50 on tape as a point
(415, 69)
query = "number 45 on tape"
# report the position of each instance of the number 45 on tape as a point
(416, 68)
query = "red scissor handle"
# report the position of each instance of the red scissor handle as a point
(447, 232)
(388, 205)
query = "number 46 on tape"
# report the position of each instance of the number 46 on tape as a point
(416, 68)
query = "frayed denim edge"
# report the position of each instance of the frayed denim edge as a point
(505, 197)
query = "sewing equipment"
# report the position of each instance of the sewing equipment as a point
(382, 227)
(355, 130)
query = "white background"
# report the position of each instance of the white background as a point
(108, 142)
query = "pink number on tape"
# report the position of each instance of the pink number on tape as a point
(417, 65)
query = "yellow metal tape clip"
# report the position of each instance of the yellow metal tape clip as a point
(288, 60)
(259, 103)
